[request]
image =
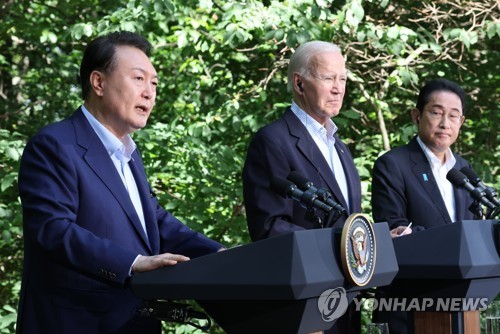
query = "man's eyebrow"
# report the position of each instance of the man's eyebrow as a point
(332, 74)
(144, 71)
(437, 105)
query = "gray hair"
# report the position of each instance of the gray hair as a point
(300, 61)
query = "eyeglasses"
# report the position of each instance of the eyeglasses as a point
(453, 117)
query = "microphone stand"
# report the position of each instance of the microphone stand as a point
(477, 210)
(328, 220)
(314, 218)
(330, 217)
(174, 312)
(493, 213)
(311, 210)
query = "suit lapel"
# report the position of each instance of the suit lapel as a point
(351, 174)
(99, 161)
(423, 173)
(145, 193)
(459, 204)
(309, 149)
(460, 196)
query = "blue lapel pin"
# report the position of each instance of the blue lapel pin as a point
(425, 177)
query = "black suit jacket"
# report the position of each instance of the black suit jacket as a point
(275, 151)
(404, 189)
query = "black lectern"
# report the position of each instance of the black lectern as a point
(267, 286)
(454, 262)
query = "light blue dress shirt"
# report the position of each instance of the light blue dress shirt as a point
(120, 152)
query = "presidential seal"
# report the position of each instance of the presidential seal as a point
(358, 249)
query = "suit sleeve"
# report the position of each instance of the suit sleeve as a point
(173, 235)
(178, 238)
(49, 190)
(268, 213)
(389, 201)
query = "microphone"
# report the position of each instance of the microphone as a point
(308, 199)
(491, 194)
(306, 185)
(459, 180)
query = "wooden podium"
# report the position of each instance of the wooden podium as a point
(455, 261)
(269, 286)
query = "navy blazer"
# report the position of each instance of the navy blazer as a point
(82, 234)
(276, 150)
(404, 189)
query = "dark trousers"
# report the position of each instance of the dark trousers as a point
(349, 323)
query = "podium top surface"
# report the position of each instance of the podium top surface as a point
(297, 265)
(463, 250)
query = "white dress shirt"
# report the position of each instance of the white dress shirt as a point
(439, 170)
(324, 139)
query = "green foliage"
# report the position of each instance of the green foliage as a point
(11, 146)
(222, 67)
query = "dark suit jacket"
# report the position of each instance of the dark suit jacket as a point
(275, 151)
(82, 234)
(404, 189)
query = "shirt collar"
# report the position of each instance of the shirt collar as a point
(434, 160)
(121, 149)
(310, 122)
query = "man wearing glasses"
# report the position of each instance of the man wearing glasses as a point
(409, 182)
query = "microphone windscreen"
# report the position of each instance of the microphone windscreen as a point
(471, 175)
(299, 180)
(282, 186)
(456, 177)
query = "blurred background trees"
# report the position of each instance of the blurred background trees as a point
(222, 67)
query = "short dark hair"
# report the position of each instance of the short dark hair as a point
(438, 85)
(100, 54)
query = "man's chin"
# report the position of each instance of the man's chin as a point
(334, 113)
(138, 126)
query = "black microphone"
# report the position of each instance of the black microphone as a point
(306, 185)
(459, 180)
(307, 199)
(491, 194)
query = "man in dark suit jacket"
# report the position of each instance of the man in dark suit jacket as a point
(91, 219)
(303, 140)
(276, 150)
(409, 183)
(405, 190)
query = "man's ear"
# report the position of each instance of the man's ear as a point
(96, 82)
(297, 83)
(415, 116)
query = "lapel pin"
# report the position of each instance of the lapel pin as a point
(425, 177)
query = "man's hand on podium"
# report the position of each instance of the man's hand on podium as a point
(147, 263)
(401, 230)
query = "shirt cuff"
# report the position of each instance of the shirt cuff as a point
(130, 270)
